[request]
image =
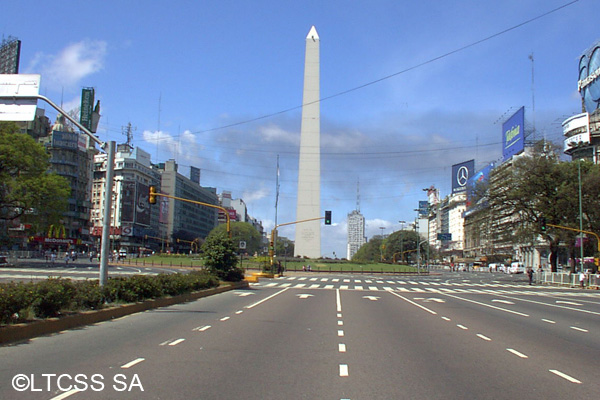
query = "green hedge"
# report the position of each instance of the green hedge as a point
(20, 301)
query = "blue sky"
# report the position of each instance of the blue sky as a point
(213, 66)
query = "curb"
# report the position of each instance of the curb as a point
(20, 332)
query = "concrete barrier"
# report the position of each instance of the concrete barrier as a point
(19, 332)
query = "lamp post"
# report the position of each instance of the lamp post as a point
(402, 239)
(580, 214)
(381, 247)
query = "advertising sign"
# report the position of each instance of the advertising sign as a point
(513, 134)
(589, 78)
(460, 175)
(142, 206)
(127, 201)
(87, 106)
(476, 179)
(577, 130)
(423, 208)
(65, 140)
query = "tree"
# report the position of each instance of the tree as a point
(541, 187)
(26, 187)
(220, 257)
(404, 241)
(241, 232)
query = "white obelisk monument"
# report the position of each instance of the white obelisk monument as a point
(308, 234)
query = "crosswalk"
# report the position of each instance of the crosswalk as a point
(403, 285)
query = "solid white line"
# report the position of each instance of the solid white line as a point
(414, 304)
(176, 342)
(224, 318)
(462, 327)
(342, 348)
(487, 305)
(338, 300)
(479, 335)
(266, 298)
(565, 376)
(519, 354)
(132, 363)
(340, 333)
(66, 394)
(343, 369)
(548, 321)
(578, 329)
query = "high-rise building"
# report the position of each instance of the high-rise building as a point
(356, 233)
(308, 234)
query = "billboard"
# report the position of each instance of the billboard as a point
(460, 175)
(589, 78)
(513, 134)
(17, 86)
(87, 107)
(10, 53)
(478, 178)
(576, 130)
(142, 206)
(65, 140)
(423, 208)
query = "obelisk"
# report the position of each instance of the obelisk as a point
(308, 234)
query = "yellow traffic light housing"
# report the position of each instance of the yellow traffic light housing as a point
(152, 197)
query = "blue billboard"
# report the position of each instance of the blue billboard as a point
(478, 178)
(589, 78)
(513, 134)
(461, 174)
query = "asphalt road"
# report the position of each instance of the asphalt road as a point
(452, 336)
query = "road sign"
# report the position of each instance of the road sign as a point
(242, 245)
(18, 85)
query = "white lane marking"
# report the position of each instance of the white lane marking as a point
(335, 280)
(552, 305)
(517, 353)
(578, 329)
(343, 369)
(434, 299)
(479, 335)
(389, 289)
(176, 342)
(285, 285)
(487, 305)
(358, 287)
(340, 333)
(324, 279)
(565, 376)
(300, 285)
(357, 281)
(340, 323)
(244, 294)
(224, 318)
(316, 285)
(271, 284)
(502, 301)
(313, 279)
(462, 327)
(302, 279)
(202, 328)
(374, 288)
(339, 315)
(132, 363)
(344, 287)
(328, 286)
(446, 318)
(548, 321)
(338, 300)
(372, 298)
(239, 312)
(414, 304)
(342, 348)
(265, 299)
(304, 295)
(346, 280)
(571, 303)
(66, 394)
(165, 342)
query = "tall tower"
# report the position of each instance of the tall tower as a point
(308, 234)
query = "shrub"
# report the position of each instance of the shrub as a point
(14, 298)
(51, 296)
(88, 296)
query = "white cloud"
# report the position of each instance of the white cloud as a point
(274, 133)
(256, 194)
(71, 65)
(182, 147)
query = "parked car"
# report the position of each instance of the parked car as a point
(4, 262)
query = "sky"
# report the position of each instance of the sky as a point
(408, 89)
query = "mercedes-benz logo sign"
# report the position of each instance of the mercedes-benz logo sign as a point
(462, 176)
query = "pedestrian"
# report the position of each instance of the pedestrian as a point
(53, 257)
(530, 275)
(582, 278)
(91, 255)
(67, 258)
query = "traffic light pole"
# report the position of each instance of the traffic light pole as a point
(225, 211)
(580, 231)
(274, 234)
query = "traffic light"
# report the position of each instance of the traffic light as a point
(327, 217)
(152, 197)
(543, 224)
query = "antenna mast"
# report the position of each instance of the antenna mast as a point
(128, 132)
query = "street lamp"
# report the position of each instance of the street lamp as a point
(402, 239)
(381, 247)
